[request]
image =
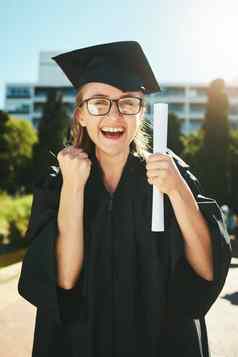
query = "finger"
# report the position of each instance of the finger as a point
(163, 164)
(82, 154)
(79, 149)
(72, 151)
(72, 147)
(157, 156)
(152, 180)
(156, 173)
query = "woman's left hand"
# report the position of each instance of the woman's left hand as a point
(163, 173)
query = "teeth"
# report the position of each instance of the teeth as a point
(112, 130)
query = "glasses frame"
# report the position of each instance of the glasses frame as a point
(142, 104)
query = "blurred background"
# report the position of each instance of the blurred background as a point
(192, 48)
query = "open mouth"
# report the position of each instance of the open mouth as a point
(114, 133)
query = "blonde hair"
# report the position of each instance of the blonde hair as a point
(79, 136)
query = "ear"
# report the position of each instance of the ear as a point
(80, 118)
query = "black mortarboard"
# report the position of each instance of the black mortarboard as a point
(121, 64)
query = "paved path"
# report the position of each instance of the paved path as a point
(17, 317)
(222, 319)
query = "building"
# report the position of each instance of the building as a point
(186, 100)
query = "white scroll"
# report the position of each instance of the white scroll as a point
(160, 130)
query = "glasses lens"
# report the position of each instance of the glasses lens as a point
(129, 105)
(98, 106)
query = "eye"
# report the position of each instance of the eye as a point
(128, 102)
(101, 102)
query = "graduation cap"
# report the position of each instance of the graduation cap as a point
(121, 64)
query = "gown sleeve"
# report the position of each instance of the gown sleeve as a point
(38, 278)
(189, 293)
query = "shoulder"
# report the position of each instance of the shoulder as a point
(52, 178)
(186, 171)
(46, 191)
(49, 181)
(183, 167)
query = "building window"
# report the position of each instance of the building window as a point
(234, 124)
(197, 108)
(195, 125)
(172, 91)
(200, 92)
(18, 92)
(41, 92)
(69, 91)
(20, 109)
(233, 109)
(176, 108)
(232, 92)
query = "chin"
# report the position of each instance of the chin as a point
(110, 151)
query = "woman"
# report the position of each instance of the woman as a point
(103, 283)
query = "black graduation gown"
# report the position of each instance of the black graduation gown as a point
(136, 294)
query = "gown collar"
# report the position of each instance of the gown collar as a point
(129, 167)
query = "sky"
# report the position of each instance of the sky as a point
(184, 40)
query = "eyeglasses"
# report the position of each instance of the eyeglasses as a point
(101, 106)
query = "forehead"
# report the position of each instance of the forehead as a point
(94, 88)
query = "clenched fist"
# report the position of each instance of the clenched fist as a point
(75, 166)
(163, 173)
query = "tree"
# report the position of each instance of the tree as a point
(234, 169)
(17, 137)
(191, 153)
(4, 162)
(52, 132)
(215, 147)
(174, 133)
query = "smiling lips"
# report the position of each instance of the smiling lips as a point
(112, 132)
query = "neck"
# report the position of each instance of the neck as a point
(111, 164)
(112, 167)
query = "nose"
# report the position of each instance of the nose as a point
(115, 110)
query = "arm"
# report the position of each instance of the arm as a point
(198, 243)
(190, 293)
(195, 231)
(38, 282)
(70, 245)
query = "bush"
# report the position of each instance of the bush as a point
(14, 216)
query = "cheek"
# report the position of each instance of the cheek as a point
(93, 128)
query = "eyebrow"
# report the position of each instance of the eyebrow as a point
(99, 95)
(107, 96)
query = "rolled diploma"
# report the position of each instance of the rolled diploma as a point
(160, 130)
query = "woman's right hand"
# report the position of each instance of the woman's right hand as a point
(75, 166)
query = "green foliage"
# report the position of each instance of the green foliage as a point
(14, 216)
(212, 151)
(191, 152)
(174, 134)
(215, 146)
(234, 168)
(52, 132)
(17, 137)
